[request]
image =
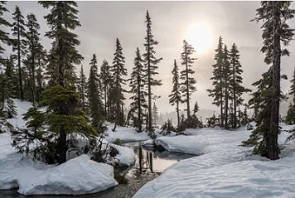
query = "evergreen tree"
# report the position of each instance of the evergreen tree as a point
(290, 118)
(226, 85)
(137, 84)
(155, 115)
(19, 44)
(276, 31)
(118, 72)
(63, 56)
(35, 49)
(151, 66)
(175, 96)
(236, 80)
(106, 80)
(63, 115)
(94, 96)
(4, 36)
(196, 108)
(217, 81)
(187, 86)
(82, 88)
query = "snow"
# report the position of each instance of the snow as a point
(125, 157)
(77, 176)
(125, 134)
(224, 170)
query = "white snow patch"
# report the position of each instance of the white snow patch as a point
(125, 134)
(225, 170)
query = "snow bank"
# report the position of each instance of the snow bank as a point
(225, 170)
(125, 134)
(125, 157)
(181, 144)
(77, 176)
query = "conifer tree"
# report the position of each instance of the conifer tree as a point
(35, 50)
(82, 88)
(63, 115)
(226, 85)
(236, 80)
(94, 96)
(151, 66)
(155, 114)
(196, 108)
(290, 118)
(19, 44)
(175, 96)
(106, 80)
(217, 81)
(118, 72)
(137, 84)
(4, 36)
(276, 33)
(187, 86)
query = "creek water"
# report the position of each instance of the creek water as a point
(149, 164)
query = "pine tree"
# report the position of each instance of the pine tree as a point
(226, 85)
(155, 115)
(290, 118)
(217, 81)
(196, 108)
(19, 44)
(236, 80)
(82, 88)
(63, 56)
(4, 36)
(35, 50)
(106, 80)
(63, 115)
(151, 66)
(175, 96)
(137, 84)
(118, 72)
(94, 96)
(187, 86)
(276, 31)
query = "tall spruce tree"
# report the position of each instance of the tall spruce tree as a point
(187, 86)
(4, 36)
(151, 66)
(175, 96)
(19, 44)
(35, 49)
(94, 96)
(290, 118)
(137, 85)
(217, 81)
(118, 72)
(276, 32)
(236, 81)
(106, 80)
(226, 85)
(82, 88)
(63, 115)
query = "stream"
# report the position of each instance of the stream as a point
(149, 164)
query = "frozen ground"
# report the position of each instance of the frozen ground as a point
(224, 170)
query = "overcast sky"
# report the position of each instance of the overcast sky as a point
(103, 22)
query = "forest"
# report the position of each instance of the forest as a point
(67, 128)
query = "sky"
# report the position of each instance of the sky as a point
(201, 23)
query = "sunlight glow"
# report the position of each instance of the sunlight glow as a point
(200, 36)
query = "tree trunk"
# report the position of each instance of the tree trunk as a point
(272, 140)
(150, 120)
(177, 112)
(187, 91)
(139, 104)
(20, 78)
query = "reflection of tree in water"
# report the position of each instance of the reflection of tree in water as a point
(145, 163)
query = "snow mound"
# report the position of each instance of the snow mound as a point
(125, 157)
(225, 170)
(181, 144)
(125, 134)
(77, 176)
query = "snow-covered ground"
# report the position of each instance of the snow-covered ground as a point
(224, 170)
(124, 134)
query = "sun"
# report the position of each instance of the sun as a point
(200, 36)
